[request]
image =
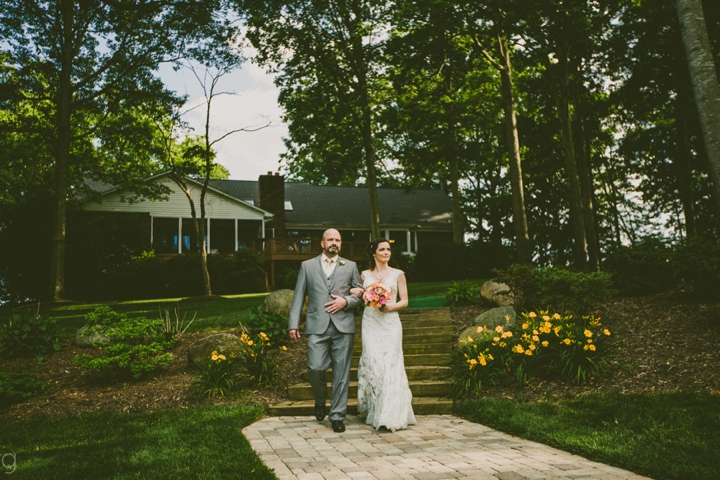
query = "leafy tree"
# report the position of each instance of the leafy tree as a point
(77, 64)
(327, 55)
(705, 82)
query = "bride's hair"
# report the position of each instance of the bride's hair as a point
(372, 248)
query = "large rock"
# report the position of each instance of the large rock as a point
(87, 338)
(497, 293)
(494, 317)
(472, 332)
(226, 343)
(279, 302)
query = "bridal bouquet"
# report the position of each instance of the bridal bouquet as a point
(377, 295)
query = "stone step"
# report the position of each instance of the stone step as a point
(419, 388)
(419, 338)
(412, 349)
(429, 317)
(440, 359)
(421, 406)
(420, 331)
(417, 372)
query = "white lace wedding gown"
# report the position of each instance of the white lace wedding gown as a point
(384, 397)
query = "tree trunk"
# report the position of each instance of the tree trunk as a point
(62, 157)
(452, 159)
(588, 188)
(458, 233)
(208, 170)
(681, 163)
(705, 83)
(522, 237)
(576, 204)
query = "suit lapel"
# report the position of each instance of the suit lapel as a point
(335, 274)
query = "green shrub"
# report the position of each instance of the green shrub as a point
(287, 278)
(274, 325)
(461, 293)
(145, 276)
(29, 334)
(138, 346)
(556, 288)
(641, 269)
(450, 261)
(259, 358)
(18, 385)
(537, 345)
(697, 262)
(216, 375)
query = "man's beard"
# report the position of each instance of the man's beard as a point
(333, 250)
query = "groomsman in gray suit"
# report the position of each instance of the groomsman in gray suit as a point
(330, 324)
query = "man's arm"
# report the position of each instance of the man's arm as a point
(297, 304)
(353, 300)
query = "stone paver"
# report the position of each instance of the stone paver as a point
(438, 447)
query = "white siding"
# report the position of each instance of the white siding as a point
(177, 205)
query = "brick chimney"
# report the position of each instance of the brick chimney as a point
(271, 190)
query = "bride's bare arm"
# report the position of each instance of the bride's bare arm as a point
(402, 293)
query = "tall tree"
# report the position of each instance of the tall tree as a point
(704, 78)
(194, 157)
(326, 54)
(85, 60)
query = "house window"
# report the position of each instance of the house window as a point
(189, 239)
(165, 235)
(398, 240)
(247, 233)
(222, 235)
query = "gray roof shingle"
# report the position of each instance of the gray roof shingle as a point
(345, 207)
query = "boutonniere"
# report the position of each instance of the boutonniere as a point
(341, 262)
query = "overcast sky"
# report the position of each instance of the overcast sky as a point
(245, 154)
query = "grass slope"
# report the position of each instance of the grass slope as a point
(662, 435)
(200, 442)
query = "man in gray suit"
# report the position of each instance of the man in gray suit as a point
(330, 324)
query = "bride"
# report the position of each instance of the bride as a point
(384, 397)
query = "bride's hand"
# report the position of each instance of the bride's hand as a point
(357, 291)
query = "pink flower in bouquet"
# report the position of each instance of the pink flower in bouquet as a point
(377, 295)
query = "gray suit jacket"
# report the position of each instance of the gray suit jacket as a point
(313, 283)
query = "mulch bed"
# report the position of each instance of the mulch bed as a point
(666, 342)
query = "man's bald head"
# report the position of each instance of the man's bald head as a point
(331, 242)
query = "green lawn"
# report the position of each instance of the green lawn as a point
(211, 315)
(219, 314)
(431, 289)
(200, 442)
(661, 435)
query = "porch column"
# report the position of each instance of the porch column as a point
(180, 239)
(152, 230)
(407, 241)
(236, 232)
(207, 230)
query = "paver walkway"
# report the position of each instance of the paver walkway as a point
(437, 447)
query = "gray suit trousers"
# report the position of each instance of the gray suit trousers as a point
(336, 348)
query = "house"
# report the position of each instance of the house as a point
(284, 221)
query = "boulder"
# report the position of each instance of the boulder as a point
(473, 333)
(226, 343)
(494, 317)
(497, 293)
(87, 338)
(279, 302)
